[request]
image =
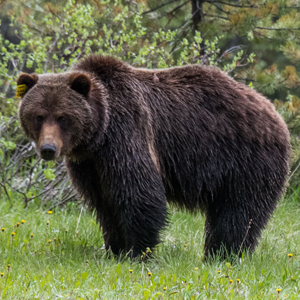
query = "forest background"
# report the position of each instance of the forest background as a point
(256, 42)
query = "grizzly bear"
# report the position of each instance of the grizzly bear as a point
(134, 139)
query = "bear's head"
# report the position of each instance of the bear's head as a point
(61, 113)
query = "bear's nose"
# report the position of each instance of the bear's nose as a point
(48, 152)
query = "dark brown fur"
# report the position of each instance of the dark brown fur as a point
(190, 135)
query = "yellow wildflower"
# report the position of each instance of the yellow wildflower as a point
(49, 212)
(3, 229)
(290, 255)
(23, 221)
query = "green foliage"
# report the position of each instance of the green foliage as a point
(268, 28)
(290, 111)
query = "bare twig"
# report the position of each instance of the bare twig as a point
(63, 202)
(176, 8)
(219, 8)
(79, 219)
(231, 4)
(270, 28)
(158, 7)
(217, 16)
(249, 226)
(293, 172)
(5, 190)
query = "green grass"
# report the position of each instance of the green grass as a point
(76, 266)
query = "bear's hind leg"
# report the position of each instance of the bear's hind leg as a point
(232, 227)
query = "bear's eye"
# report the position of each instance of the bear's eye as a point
(61, 119)
(40, 119)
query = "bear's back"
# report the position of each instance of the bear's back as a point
(203, 122)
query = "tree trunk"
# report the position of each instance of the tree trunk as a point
(197, 13)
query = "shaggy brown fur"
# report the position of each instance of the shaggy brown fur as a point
(134, 138)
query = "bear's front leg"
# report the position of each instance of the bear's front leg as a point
(129, 200)
(133, 208)
(133, 212)
(132, 228)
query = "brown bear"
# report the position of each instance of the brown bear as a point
(134, 139)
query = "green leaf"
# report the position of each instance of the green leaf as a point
(49, 174)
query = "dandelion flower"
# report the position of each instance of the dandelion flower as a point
(23, 221)
(12, 234)
(18, 224)
(290, 255)
(185, 245)
(2, 229)
(48, 223)
(219, 271)
(238, 281)
(35, 251)
(278, 290)
(230, 280)
(149, 274)
(130, 271)
(32, 235)
(49, 241)
(49, 212)
(164, 288)
(196, 268)
(1, 274)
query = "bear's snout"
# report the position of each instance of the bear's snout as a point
(50, 142)
(48, 152)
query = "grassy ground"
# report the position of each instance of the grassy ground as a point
(57, 263)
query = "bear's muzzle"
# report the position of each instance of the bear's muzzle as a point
(48, 152)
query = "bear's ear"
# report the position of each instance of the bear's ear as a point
(80, 83)
(25, 82)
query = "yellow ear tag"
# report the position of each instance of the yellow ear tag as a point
(21, 90)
